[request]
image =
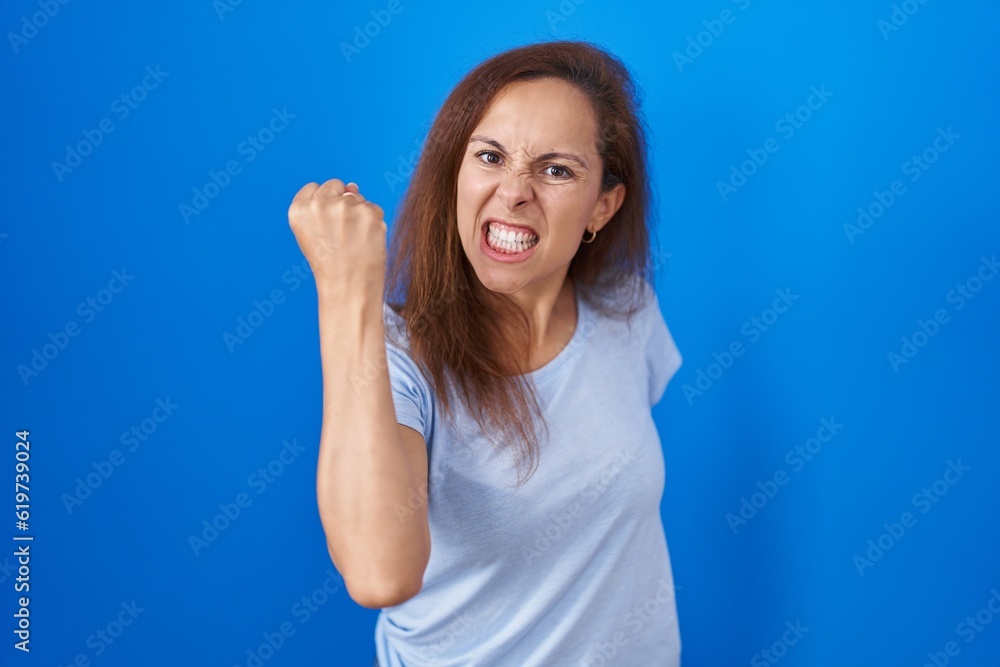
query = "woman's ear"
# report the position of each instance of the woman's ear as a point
(608, 203)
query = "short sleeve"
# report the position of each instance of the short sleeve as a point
(411, 394)
(662, 356)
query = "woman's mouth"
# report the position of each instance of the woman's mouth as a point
(507, 243)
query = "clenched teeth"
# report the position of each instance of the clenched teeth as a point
(509, 241)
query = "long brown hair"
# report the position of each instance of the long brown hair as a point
(451, 326)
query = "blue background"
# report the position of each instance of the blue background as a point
(720, 260)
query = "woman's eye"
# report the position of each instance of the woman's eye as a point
(560, 173)
(488, 154)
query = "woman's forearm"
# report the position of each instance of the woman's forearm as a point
(364, 474)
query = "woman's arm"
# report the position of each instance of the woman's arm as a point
(368, 465)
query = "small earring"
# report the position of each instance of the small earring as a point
(591, 238)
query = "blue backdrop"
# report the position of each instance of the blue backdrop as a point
(827, 214)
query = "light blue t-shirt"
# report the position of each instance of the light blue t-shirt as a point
(572, 569)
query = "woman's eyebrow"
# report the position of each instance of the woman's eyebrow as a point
(547, 156)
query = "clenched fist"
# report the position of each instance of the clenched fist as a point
(341, 235)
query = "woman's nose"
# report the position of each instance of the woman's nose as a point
(515, 189)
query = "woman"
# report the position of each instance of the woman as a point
(489, 471)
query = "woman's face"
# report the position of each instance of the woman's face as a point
(532, 162)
